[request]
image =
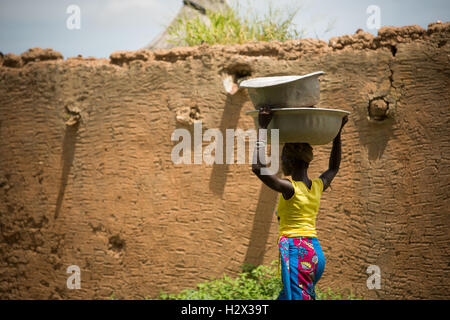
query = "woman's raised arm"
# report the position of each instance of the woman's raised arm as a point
(335, 158)
(272, 181)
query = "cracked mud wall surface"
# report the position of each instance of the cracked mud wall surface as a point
(86, 176)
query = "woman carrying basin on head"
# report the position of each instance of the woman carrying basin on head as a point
(302, 259)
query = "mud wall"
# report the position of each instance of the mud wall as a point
(86, 176)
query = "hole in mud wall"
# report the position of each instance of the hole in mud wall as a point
(238, 70)
(194, 113)
(393, 50)
(186, 116)
(116, 243)
(378, 109)
(233, 74)
(241, 74)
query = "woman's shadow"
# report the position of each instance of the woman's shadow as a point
(267, 198)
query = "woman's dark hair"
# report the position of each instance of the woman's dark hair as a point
(294, 153)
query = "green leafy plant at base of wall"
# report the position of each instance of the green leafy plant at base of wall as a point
(253, 283)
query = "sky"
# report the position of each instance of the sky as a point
(105, 26)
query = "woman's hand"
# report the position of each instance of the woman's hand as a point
(264, 117)
(344, 121)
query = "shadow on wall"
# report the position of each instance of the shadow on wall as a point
(375, 131)
(262, 220)
(230, 119)
(267, 199)
(68, 153)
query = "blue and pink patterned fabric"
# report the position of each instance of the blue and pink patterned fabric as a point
(302, 265)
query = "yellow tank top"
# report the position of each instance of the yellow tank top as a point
(298, 213)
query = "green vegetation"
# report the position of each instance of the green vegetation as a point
(253, 283)
(232, 26)
(330, 295)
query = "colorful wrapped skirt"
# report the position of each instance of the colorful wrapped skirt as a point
(302, 265)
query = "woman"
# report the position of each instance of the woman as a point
(302, 259)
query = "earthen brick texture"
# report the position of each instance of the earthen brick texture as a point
(86, 176)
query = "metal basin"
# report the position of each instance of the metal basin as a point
(312, 125)
(284, 91)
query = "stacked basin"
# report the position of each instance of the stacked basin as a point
(292, 100)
